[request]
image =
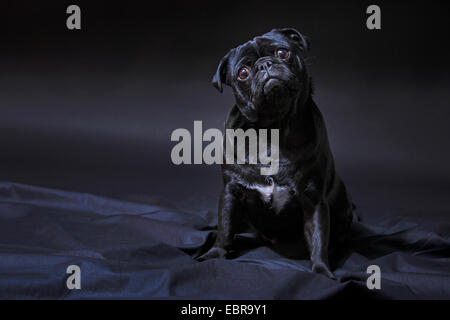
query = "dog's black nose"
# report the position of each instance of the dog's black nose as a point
(265, 65)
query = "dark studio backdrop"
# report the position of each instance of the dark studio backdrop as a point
(92, 110)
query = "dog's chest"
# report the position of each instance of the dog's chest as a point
(274, 195)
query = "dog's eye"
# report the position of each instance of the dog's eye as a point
(282, 53)
(244, 72)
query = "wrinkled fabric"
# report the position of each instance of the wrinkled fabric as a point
(135, 250)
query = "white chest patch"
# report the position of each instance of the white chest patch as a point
(273, 194)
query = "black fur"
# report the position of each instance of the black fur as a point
(278, 95)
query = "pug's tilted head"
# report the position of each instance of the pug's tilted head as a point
(267, 75)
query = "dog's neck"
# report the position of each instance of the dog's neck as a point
(299, 123)
(298, 128)
(298, 117)
(299, 111)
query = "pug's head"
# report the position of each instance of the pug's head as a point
(267, 75)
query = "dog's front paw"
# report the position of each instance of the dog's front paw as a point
(323, 269)
(213, 253)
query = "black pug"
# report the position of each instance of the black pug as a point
(306, 199)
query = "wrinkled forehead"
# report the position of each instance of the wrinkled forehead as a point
(259, 47)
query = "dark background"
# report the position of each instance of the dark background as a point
(92, 110)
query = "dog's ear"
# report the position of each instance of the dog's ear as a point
(296, 37)
(221, 74)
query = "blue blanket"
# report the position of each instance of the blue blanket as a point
(135, 250)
